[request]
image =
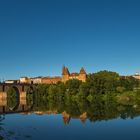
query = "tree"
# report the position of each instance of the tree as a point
(129, 83)
(83, 90)
(103, 82)
(72, 86)
(52, 92)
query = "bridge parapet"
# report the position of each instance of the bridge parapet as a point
(21, 87)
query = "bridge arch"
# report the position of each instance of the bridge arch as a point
(21, 97)
(14, 98)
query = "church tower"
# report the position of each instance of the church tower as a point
(65, 74)
(82, 75)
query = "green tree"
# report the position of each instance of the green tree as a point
(129, 83)
(83, 90)
(52, 92)
(103, 82)
(72, 86)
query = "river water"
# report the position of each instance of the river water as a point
(52, 126)
(69, 120)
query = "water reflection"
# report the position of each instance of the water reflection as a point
(18, 106)
(95, 111)
(82, 111)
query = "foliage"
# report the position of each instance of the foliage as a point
(103, 87)
(12, 98)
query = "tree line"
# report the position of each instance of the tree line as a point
(100, 83)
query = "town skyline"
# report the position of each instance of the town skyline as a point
(51, 73)
(53, 79)
(65, 76)
(58, 74)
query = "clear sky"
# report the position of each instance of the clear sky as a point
(38, 36)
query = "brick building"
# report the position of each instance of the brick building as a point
(66, 75)
(51, 80)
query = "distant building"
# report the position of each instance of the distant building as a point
(137, 76)
(51, 80)
(11, 81)
(36, 80)
(25, 80)
(66, 75)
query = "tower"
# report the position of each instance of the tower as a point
(65, 74)
(82, 75)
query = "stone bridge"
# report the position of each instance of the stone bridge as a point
(21, 90)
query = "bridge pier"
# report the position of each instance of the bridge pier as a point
(22, 98)
(3, 98)
(3, 101)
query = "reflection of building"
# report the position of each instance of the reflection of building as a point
(83, 117)
(45, 112)
(66, 117)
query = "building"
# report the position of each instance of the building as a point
(51, 80)
(137, 76)
(66, 75)
(24, 80)
(11, 81)
(36, 80)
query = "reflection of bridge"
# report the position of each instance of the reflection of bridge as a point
(21, 90)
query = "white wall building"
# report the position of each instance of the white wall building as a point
(25, 80)
(11, 81)
(36, 80)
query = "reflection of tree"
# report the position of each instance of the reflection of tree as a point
(12, 98)
(102, 108)
(29, 97)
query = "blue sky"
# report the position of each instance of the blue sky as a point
(38, 36)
